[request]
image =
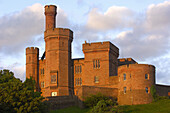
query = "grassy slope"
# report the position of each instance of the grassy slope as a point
(70, 110)
(162, 106)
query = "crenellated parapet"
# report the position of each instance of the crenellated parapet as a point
(100, 46)
(32, 50)
(58, 33)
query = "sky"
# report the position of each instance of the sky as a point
(140, 29)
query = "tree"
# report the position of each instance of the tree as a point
(18, 97)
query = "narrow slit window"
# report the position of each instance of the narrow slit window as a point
(124, 76)
(124, 90)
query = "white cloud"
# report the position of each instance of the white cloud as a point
(21, 29)
(149, 38)
(114, 18)
(18, 29)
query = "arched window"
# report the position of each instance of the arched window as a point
(124, 76)
(146, 89)
(124, 90)
(146, 76)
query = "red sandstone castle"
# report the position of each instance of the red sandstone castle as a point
(57, 74)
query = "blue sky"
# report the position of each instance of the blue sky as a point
(139, 28)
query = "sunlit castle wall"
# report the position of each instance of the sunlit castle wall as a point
(135, 81)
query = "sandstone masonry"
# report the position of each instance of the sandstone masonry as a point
(57, 74)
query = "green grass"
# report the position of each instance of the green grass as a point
(70, 110)
(161, 106)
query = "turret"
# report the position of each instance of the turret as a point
(58, 56)
(50, 14)
(32, 63)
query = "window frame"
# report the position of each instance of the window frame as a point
(147, 76)
(124, 76)
(124, 90)
(53, 79)
(96, 79)
(147, 90)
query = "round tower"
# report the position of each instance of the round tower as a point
(50, 14)
(135, 82)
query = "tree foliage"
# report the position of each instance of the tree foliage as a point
(102, 106)
(18, 97)
(92, 100)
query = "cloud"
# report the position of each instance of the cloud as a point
(141, 36)
(149, 37)
(19, 28)
(114, 18)
(162, 72)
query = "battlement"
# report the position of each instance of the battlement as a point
(100, 46)
(58, 32)
(135, 66)
(126, 61)
(32, 50)
(50, 9)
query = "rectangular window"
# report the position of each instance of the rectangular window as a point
(42, 84)
(54, 94)
(80, 81)
(124, 76)
(53, 79)
(75, 69)
(43, 71)
(80, 69)
(96, 79)
(96, 64)
(76, 81)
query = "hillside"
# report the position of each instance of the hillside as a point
(161, 106)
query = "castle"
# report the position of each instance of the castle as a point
(57, 74)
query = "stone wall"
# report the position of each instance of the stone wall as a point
(134, 85)
(85, 91)
(162, 90)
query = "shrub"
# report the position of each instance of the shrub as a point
(92, 100)
(102, 106)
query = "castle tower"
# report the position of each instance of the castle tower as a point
(58, 56)
(50, 15)
(135, 82)
(32, 63)
(101, 61)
